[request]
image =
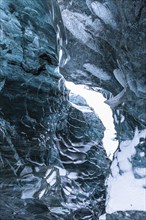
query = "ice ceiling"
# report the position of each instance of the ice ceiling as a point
(72, 110)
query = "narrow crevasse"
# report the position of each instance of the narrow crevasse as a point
(96, 102)
(106, 42)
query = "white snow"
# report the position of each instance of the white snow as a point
(102, 217)
(125, 192)
(96, 101)
(62, 172)
(142, 154)
(73, 175)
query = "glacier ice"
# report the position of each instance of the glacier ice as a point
(57, 159)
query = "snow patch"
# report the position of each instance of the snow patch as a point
(125, 192)
(96, 101)
(102, 217)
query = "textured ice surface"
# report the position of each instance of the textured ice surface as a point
(116, 52)
(107, 41)
(53, 161)
(95, 71)
(102, 11)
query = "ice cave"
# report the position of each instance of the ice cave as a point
(72, 109)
